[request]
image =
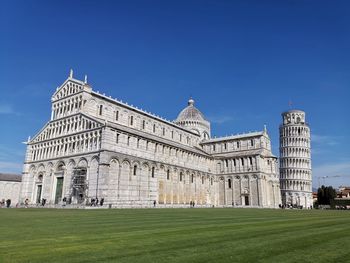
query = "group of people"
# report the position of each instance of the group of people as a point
(7, 203)
(96, 202)
(192, 203)
(290, 206)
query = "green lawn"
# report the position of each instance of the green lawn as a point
(174, 235)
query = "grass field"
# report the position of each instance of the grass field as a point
(174, 235)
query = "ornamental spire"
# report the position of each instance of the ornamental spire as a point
(190, 102)
(71, 73)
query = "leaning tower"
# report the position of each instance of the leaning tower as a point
(295, 160)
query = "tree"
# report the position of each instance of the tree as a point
(325, 194)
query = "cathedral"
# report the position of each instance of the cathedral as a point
(97, 147)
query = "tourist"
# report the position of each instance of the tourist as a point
(102, 201)
(8, 203)
(154, 203)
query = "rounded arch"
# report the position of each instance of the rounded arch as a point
(114, 160)
(136, 162)
(41, 168)
(49, 168)
(195, 131)
(49, 165)
(145, 165)
(82, 162)
(60, 165)
(92, 103)
(154, 164)
(39, 177)
(71, 163)
(32, 169)
(94, 159)
(126, 162)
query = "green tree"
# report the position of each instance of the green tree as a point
(325, 194)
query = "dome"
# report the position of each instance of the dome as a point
(190, 113)
(193, 120)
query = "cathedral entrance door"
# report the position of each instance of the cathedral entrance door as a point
(38, 193)
(59, 187)
(246, 200)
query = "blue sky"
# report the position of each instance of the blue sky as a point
(242, 61)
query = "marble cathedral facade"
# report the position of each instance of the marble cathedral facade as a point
(98, 147)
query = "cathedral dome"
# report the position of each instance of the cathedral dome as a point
(192, 119)
(190, 113)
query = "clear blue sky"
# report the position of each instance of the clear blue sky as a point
(242, 61)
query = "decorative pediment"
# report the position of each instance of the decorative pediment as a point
(66, 126)
(69, 87)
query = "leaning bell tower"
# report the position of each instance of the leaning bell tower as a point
(295, 160)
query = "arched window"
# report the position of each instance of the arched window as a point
(242, 160)
(152, 172)
(143, 124)
(180, 176)
(40, 178)
(229, 183)
(203, 180)
(192, 178)
(226, 163)
(116, 115)
(135, 169)
(131, 120)
(100, 110)
(168, 174)
(154, 128)
(237, 144)
(250, 160)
